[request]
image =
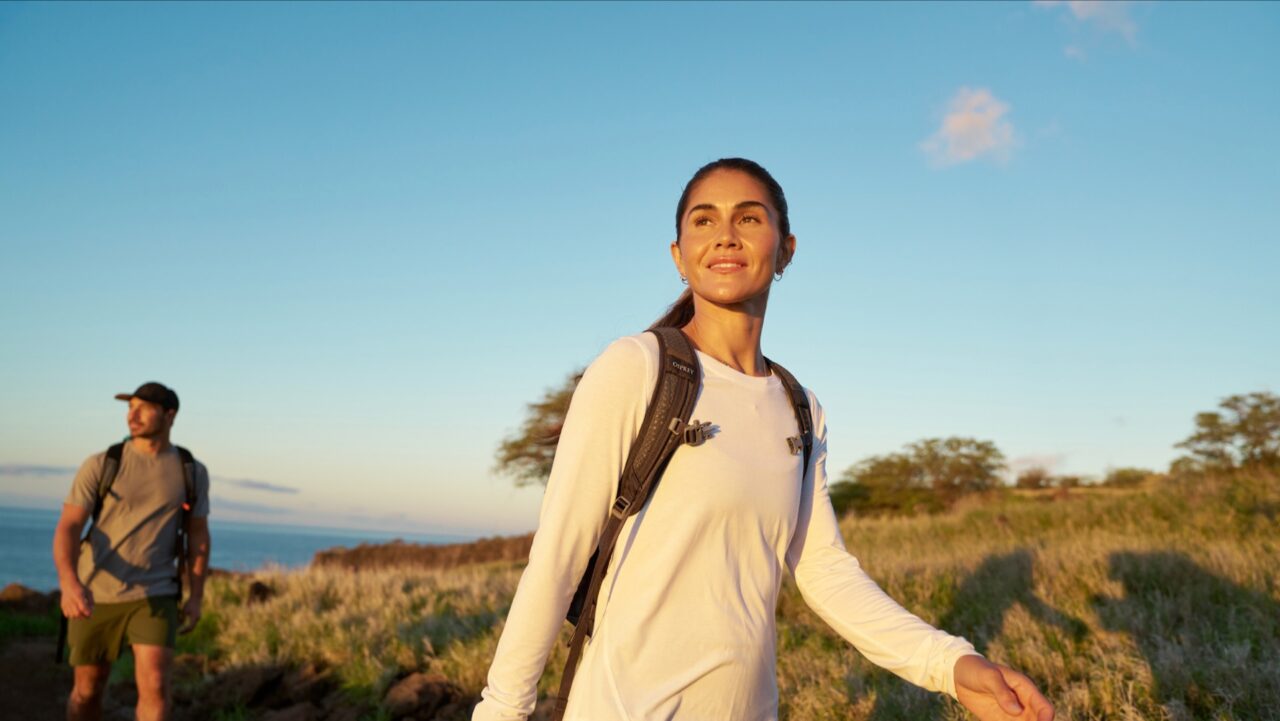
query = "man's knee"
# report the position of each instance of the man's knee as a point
(151, 670)
(90, 681)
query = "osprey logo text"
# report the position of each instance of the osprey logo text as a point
(682, 367)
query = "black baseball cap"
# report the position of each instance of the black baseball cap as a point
(153, 392)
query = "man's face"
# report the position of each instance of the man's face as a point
(148, 420)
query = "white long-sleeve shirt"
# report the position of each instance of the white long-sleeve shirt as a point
(684, 625)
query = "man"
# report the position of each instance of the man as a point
(126, 585)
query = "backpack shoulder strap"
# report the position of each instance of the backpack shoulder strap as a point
(110, 467)
(660, 434)
(665, 419)
(800, 406)
(188, 507)
(664, 429)
(188, 477)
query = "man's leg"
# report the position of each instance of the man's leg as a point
(152, 631)
(85, 702)
(94, 643)
(151, 666)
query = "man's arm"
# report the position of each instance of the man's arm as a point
(198, 544)
(77, 602)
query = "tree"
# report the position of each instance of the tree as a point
(926, 475)
(883, 484)
(955, 466)
(1246, 434)
(1034, 477)
(527, 455)
(1126, 477)
(1067, 481)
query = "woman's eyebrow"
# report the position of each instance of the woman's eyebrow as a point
(739, 206)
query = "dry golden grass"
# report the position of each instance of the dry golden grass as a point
(1158, 603)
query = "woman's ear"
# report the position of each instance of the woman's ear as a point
(677, 258)
(786, 252)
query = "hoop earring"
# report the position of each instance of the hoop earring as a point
(684, 280)
(777, 276)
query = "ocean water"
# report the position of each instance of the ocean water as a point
(26, 545)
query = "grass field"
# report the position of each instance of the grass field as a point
(1156, 603)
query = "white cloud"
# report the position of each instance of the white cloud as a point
(974, 126)
(1106, 15)
(1047, 461)
(1074, 52)
(256, 485)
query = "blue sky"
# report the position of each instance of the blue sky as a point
(357, 239)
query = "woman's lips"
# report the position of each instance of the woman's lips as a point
(726, 266)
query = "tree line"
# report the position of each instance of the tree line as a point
(931, 474)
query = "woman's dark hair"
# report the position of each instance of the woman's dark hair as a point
(681, 311)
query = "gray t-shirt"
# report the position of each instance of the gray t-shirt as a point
(131, 552)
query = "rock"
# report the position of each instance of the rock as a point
(259, 592)
(345, 713)
(188, 669)
(419, 696)
(297, 712)
(17, 597)
(308, 683)
(338, 706)
(252, 686)
(460, 711)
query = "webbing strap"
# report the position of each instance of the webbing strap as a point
(582, 629)
(673, 397)
(184, 515)
(110, 467)
(800, 406)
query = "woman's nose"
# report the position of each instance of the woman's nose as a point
(727, 238)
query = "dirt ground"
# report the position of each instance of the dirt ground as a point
(31, 685)
(34, 688)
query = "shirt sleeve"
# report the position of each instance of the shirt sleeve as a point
(604, 416)
(834, 585)
(84, 488)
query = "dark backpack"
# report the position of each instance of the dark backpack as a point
(110, 467)
(665, 428)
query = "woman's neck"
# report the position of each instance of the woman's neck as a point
(730, 335)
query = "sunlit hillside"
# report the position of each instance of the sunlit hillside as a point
(1154, 603)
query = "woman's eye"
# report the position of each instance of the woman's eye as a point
(749, 218)
(702, 221)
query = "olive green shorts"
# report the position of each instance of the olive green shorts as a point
(148, 621)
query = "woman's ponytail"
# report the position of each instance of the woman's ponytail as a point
(679, 314)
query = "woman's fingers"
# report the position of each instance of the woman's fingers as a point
(998, 693)
(1029, 695)
(994, 683)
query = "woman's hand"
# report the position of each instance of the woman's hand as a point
(998, 693)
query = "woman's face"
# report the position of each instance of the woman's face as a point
(729, 246)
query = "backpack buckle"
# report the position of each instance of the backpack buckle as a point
(620, 507)
(795, 445)
(693, 434)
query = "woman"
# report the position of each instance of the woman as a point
(685, 619)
